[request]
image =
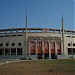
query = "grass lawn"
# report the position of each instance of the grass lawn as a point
(39, 67)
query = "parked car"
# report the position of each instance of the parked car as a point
(23, 58)
(29, 59)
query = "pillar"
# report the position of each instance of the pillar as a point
(36, 49)
(62, 48)
(10, 51)
(55, 48)
(29, 49)
(43, 49)
(16, 51)
(4, 51)
(49, 51)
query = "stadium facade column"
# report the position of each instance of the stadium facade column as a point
(55, 49)
(29, 49)
(43, 49)
(36, 50)
(49, 51)
(16, 51)
(4, 51)
(61, 47)
(10, 51)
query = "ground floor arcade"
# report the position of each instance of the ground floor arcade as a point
(45, 50)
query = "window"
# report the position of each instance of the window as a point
(7, 44)
(1, 44)
(69, 51)
(13, 51)
(1, 51)
(74, 51)
(68, 36)
(7, 51)
(19, 51)
(73, 44)
(19, 44)
(13, 44)
(13, 35)
(69, 44)
(19, 35)
(7, 35)
(1, 36)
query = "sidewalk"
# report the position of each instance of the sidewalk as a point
(5, 61)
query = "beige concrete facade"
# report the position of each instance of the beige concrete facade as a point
(13, 43)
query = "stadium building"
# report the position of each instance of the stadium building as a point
(37, 43)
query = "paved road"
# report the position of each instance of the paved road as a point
(5, 61)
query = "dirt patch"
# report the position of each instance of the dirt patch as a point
(39, 67)
(51, 70)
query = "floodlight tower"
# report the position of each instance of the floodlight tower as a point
(26, 33)
(63, 32)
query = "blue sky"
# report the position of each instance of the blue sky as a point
(41, 13)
